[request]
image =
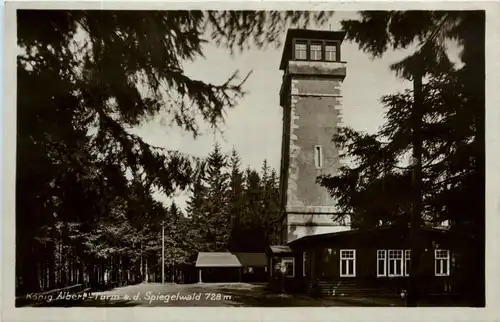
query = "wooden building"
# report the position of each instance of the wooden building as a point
(362, 262)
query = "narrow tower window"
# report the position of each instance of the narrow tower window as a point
(318, 156)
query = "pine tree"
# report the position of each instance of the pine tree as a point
(196, 211)
(253, 238)
(236, 205)
(216, 200)
(265, 196)
(271, 204)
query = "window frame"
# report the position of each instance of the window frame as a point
(300, 41)
(384, 260)
(323, 42)
(395, 260)
(318, 157)
(290, 260)
(334, 45)
(407, 262)
(304, 261)
(347, 259)
(446, 259)
(321, 49)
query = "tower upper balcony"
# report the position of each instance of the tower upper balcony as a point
(312, 53)
(316, 49)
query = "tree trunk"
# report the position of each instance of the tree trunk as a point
(142, 265)
(52, 272)
(415, 221)
(81, 273)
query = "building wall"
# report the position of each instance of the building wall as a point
(311, 116)
(310, 223)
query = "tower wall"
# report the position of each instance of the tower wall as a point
(314, 121)
(311, 118)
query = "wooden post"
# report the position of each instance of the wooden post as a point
(199, 276)
(162, 252)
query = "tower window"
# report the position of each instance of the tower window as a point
(316, 51)
(331, 52)
(300, 50)
(318, 156)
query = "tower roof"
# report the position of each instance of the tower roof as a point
(307, 34)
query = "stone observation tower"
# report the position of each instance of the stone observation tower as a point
(311, 98)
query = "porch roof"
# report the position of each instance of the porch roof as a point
(220, 259)
(280, 249)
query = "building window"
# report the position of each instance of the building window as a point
(395, 262)
(318, 156)
(304, 261)
(381, 262)
(248, 270)
(407, 262)
(300, 50)
(316, 51)
(289, 263)
(442, 262)
(347, 263)
(331, 52)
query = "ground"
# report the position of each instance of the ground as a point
(210, 294)
(225, 294)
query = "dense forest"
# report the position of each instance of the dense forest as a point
(229, 209)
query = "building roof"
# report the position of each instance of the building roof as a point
(227, 259)
(279, 249)
(217, 260)
(252, 259)
(307, 34)
(353, 232)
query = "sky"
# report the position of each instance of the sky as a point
(254, 127)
